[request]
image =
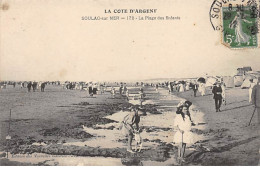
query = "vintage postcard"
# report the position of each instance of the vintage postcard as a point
(129, 83)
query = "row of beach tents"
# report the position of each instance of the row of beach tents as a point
(242, 81)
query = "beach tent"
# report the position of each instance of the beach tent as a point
(252, 75)
(245, 84)
(248, 76)
(201, 80)
(210, 81)
(229, 81)
(238, 81)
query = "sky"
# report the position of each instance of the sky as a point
(47, 40)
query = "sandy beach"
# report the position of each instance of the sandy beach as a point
(67, 127)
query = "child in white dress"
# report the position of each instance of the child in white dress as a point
(183, 135)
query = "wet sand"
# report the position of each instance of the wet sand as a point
(52, 122)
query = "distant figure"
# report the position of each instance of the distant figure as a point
(217, 91)
(183, 135)
(43, 86)
(141, 89)
(202, 89)
(95, 89)
(223, 86)
(195, 89)
(120, 90)
(113, 92)
(256, 98)
(141, 96)
(125, 89)
(105, 87)
(90, 91)
(127, 95)
(34, 86)
(252, 84)
(14, 84)
(181, 89)
(22, 85)
(169, 88)
(101, 87)
(187, 87)
(29, 86)
(81, 86)
(156, 87)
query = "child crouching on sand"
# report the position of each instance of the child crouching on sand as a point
(130, 124)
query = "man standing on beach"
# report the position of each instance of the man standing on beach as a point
(43, 86)
(256, 98)
(217, 91)
(29, 86)
(195, 89)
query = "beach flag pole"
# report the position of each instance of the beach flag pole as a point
(252, 117)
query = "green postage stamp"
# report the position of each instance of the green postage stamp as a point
(240, 27)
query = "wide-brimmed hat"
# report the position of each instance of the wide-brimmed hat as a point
(218, 82)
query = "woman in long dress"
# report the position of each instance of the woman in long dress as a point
(223, 87)
(187, 87)
(181, 88)
(113, 92)
(183, 135)
(236, 24)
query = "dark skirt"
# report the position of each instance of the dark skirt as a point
(90, 90)
(95, 91)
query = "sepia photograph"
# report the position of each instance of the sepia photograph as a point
(129, 83)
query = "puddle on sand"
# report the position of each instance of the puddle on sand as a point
(103, 138)
(169, 162)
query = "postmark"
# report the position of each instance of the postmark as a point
(237, 21)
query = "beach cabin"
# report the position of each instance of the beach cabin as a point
(238, 80)
(229, 81)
